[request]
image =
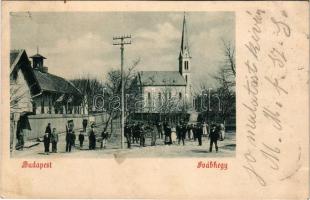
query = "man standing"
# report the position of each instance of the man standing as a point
(127, 131)
(46, 141)
(167, 130)
(84, 124)
(142, 135)
(178, 130)
(54, 140)
(159, 130)
(183, 133)
(48, 130)
(92, 138)
(199, 133)
(136, 133)
(69, 139)
(153, 134)
(214, 136)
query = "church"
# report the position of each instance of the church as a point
(167, 91)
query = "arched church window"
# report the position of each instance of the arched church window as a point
(159, 98)
(186, 78)
(149, 99)
(149, 96)
(186, 65)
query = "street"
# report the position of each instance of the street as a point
(190, 149)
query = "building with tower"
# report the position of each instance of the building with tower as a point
(167, 91)
(38, 92)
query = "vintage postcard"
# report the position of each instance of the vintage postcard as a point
(155, 100)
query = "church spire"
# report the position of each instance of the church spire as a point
(184, 51)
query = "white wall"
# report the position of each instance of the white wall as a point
(164, 90)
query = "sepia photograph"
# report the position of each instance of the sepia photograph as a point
(139, 84)
(154, 100)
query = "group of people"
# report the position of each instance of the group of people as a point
(136, 133)
(181, 131)
(194, 132)
(92, 137)
(50, 136)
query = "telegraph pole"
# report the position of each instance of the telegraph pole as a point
(121, 42)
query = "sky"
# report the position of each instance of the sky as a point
(81, 43)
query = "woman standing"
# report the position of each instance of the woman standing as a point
(173, 135)
(54, 140)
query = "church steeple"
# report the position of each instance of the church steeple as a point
(184, 51)
(185, 61)
(184, 57)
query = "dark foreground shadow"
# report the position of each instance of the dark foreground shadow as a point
(200, 151)
(229, 147)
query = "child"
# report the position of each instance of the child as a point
(81, 139)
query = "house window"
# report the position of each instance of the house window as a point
(180, 95)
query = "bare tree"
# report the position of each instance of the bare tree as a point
(222, 98)
(89, 87)
(17, 95)
(229, 51)
(225, 77)
(113, 88)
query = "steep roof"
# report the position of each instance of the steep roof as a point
(53, 83)
(19, 61)
(184, 40)
(161, 78)
(14, 54)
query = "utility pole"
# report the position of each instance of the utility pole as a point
(122, 42)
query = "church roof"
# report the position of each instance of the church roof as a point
(161, 78)
(53, 83)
